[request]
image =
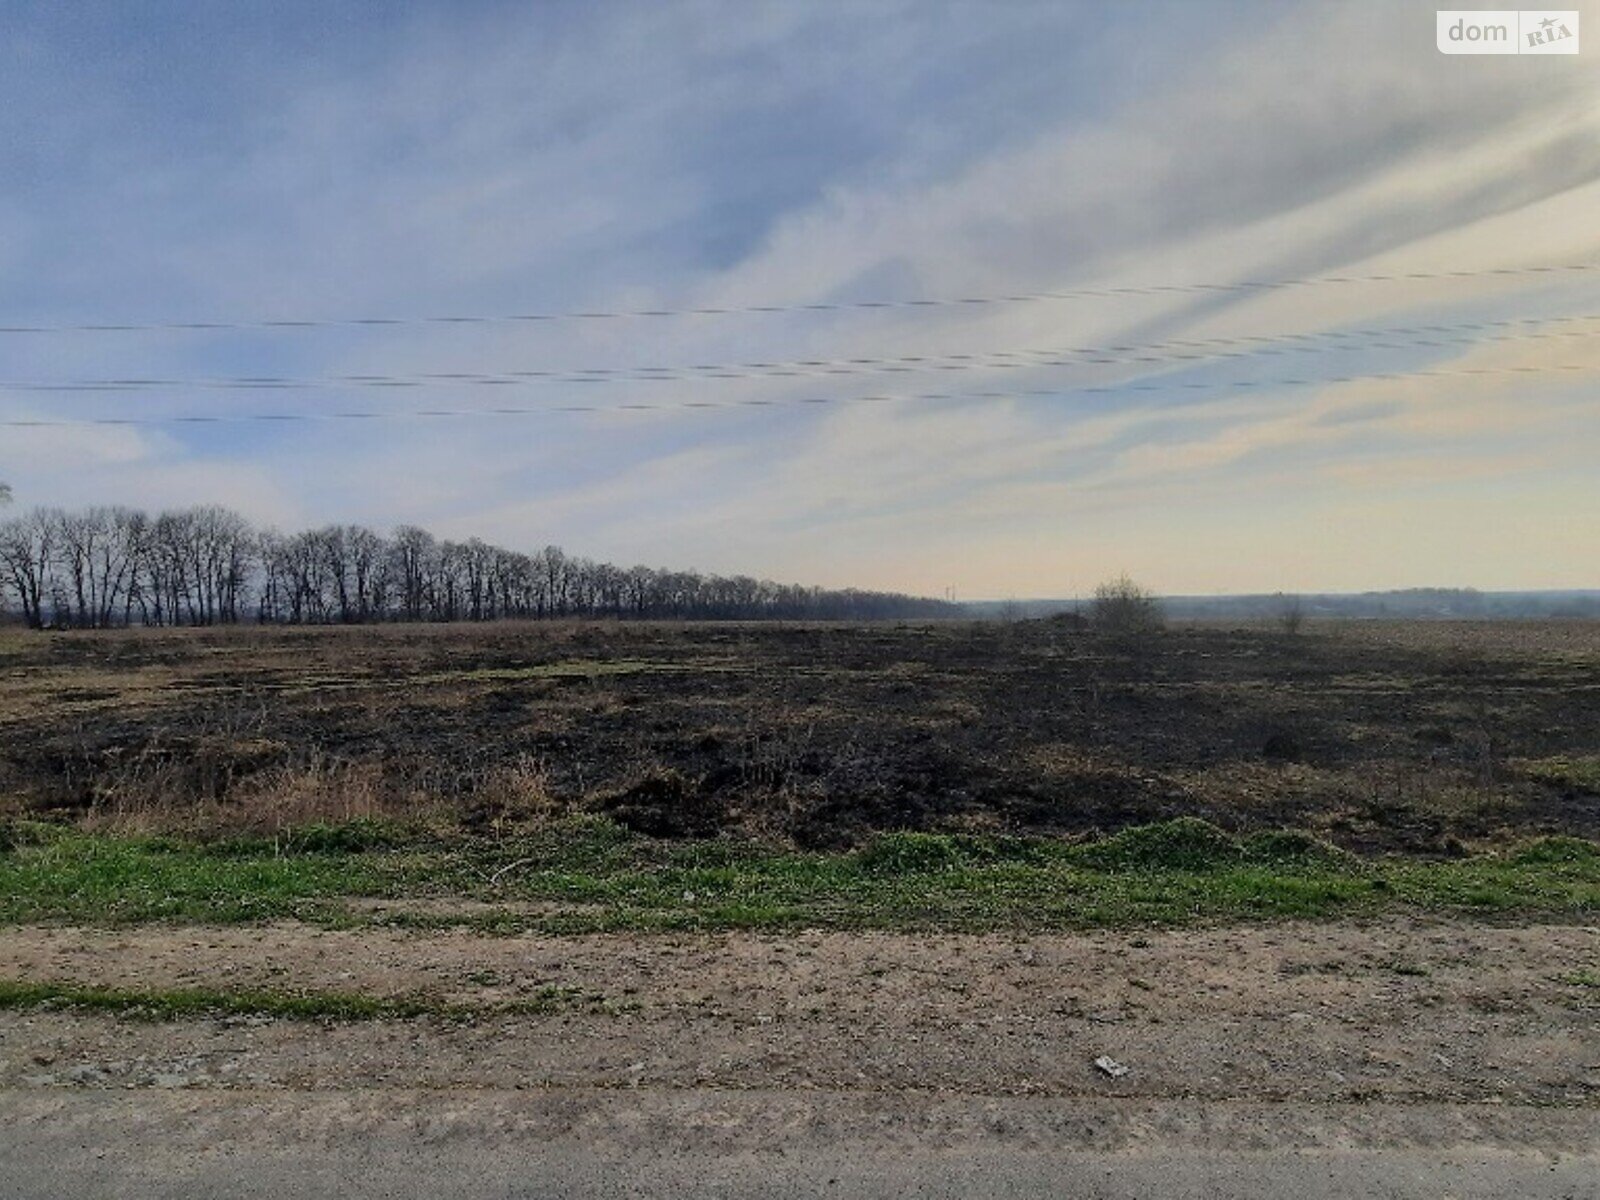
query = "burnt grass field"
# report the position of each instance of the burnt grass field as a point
(1419, 738)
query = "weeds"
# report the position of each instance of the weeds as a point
(589, 875)
(1575, 774)
(173, 1004)
(1186, 844)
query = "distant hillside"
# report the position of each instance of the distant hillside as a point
(1413, 603)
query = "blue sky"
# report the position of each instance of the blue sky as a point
(243, 162)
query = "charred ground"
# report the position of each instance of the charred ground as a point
(1418, 738)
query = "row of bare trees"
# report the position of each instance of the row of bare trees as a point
(109, 566)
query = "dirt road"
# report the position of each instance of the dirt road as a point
(1393, 1010)
(1405, 1054)
(478, 1145)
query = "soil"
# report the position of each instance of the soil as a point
(1398, 1010)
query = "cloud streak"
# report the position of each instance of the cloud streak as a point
(488, 159)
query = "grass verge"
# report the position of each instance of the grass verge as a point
(177, 1003)
(590, 875)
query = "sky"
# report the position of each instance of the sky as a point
(324, 162)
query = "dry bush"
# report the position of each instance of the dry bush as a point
(272, 802)
(1125, 610)
(148, 795)
(321, 793)
(516, 793)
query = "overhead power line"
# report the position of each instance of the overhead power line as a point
(785, 401)
(1202, 350)
(1248, 285)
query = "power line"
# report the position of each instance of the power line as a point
(1209, 349)
(833, 306)
(777, 402)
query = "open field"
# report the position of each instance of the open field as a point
(1416, 738)
(598, 903)
(570, 778)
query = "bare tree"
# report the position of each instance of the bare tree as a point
(368, 566)
(310, 578)
(511, 583)
(555, 577)
(202, 566)
(1291, 614)
(410, 553)
(272, 588)
(97, 551)
(220, 547)
(27, 550)
(334, 546)
(449, 582)
(164, 588)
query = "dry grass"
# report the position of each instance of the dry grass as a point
(270, 803)
(1408, 737)
(517, 794)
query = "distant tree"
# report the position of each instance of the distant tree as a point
(1291, 614)
(27, 558)
(1125, 610)
(411, 555)
(101, 567)
(97, 552)
(5, 493)
(555, 579)
(368, 565)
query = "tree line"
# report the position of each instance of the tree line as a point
(104, 567)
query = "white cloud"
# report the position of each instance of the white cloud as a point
(500, 165)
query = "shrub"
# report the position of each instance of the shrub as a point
(1294, 847)
(911, 853)
(351, 837)
(1556, 849)
(1124, 609)
(1184, 844)
(17, 833)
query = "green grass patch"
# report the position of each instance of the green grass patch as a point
(104, 879)
(1555, 850)
(591, 875)
(1575, 774)
(1286, 847)
(1185, 844)
(177, 1003)
(914, 853)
